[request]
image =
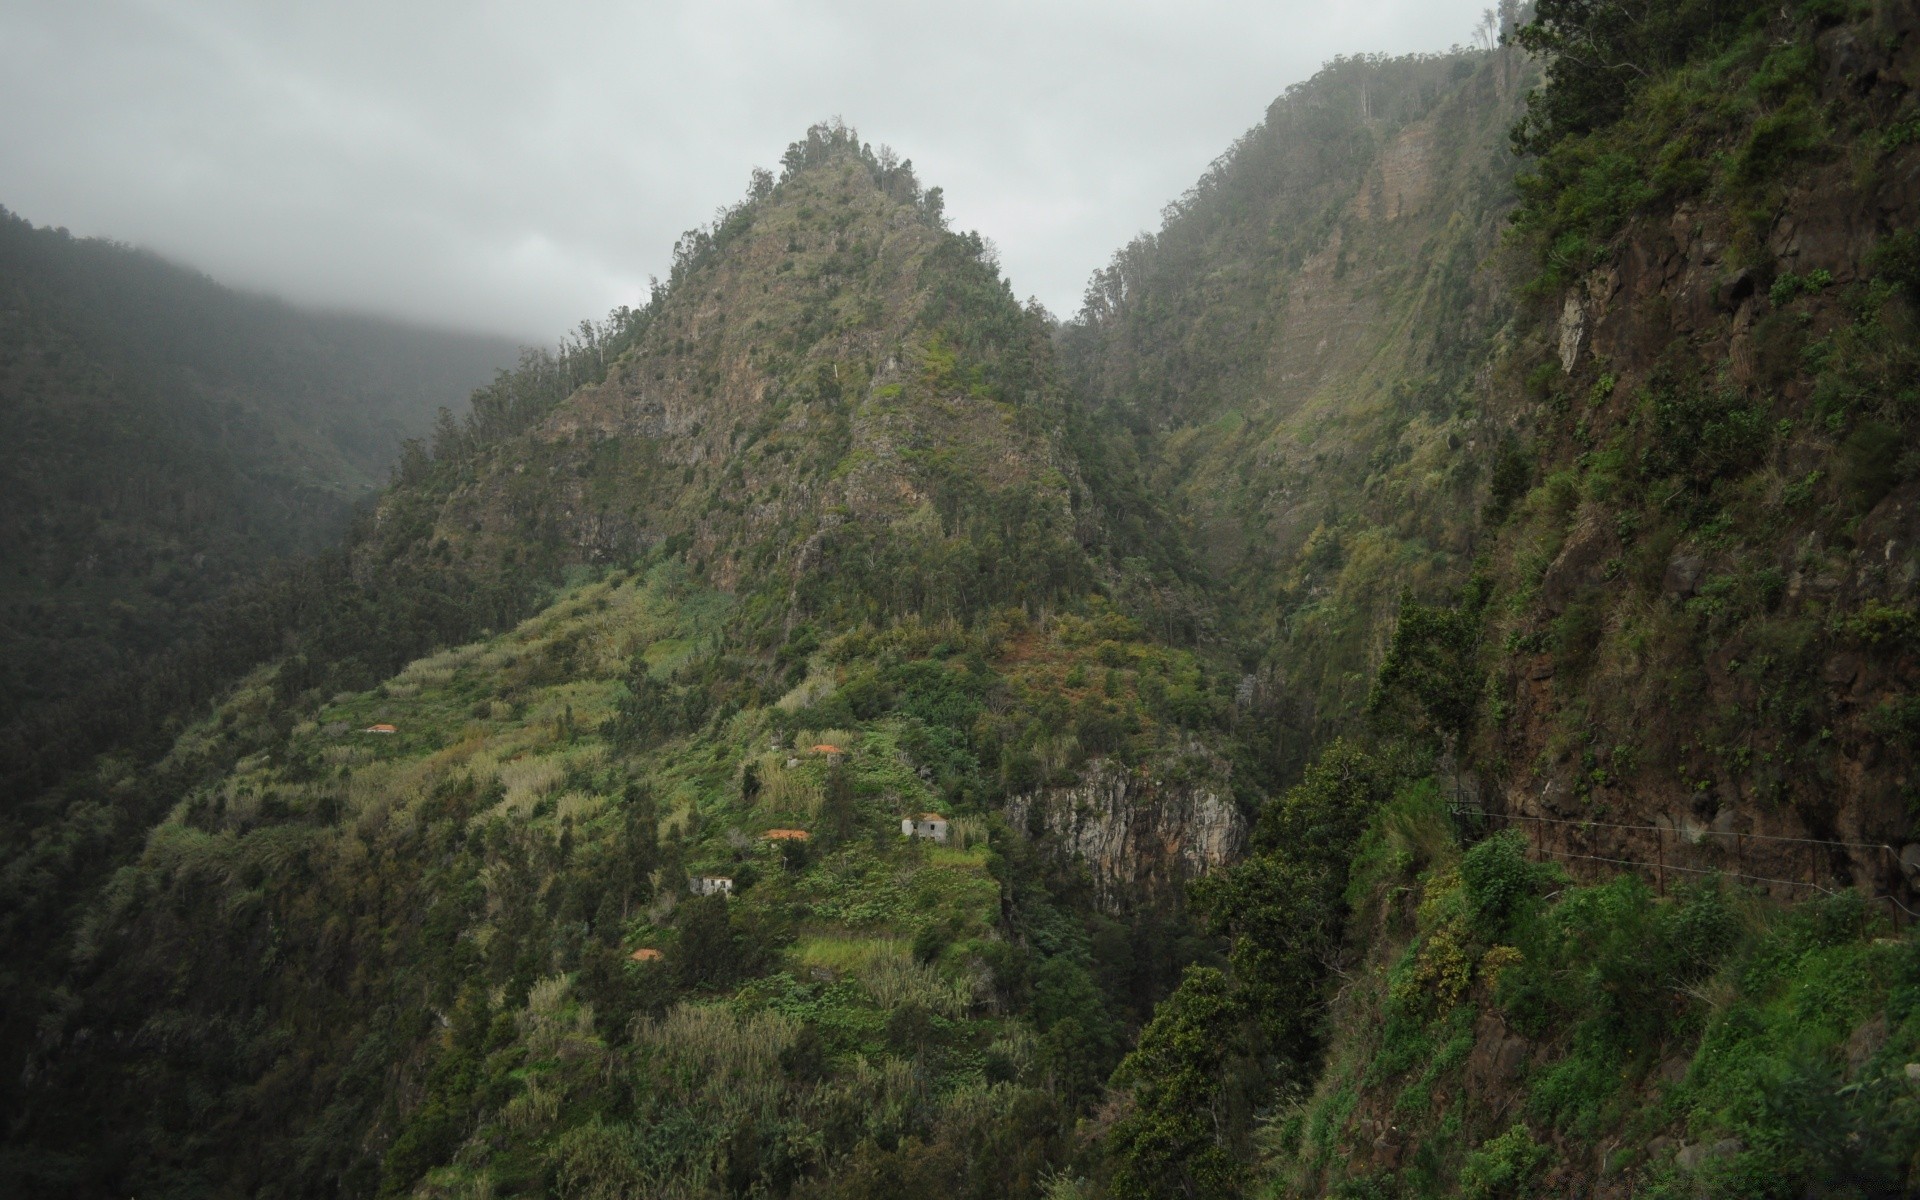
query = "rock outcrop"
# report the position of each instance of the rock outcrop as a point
(1137, 831)
(1759, 734)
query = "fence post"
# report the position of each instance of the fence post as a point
(1894, 881)
(1660, 856)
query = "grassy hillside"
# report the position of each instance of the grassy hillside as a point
(1508, 1033)
(404, 962)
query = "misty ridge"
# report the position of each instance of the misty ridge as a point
(1402, 685)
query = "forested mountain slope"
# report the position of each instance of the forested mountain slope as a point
(1300, 354)
(825, 562)
(1613, 894)
(838, 390)
(1417, 681)
(162, 437)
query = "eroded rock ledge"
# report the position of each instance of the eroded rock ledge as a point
(1137, 830)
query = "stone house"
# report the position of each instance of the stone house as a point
(711, 885)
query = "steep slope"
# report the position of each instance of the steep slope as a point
(1591, 537)
(1300, 353)
(1695, 616)
(839, 391)
(1616, 895)
(162, 437)
(1703, 605)
(823, 563)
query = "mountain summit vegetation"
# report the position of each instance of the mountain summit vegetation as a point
(1409, 692)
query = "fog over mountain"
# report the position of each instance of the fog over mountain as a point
(1410, 687)
(510, 167)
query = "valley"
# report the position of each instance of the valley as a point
(1409, 692)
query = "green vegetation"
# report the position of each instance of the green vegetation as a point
(1428, 679)
(1710, 1043)
(1292, 359)
(852, 1008)
(1594, 1016)
(1688, 497)
(162, 440)
(549, 842)
(1601, 57)
(405, 961)
(1650, 105)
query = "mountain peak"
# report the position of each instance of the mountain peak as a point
(826, 358)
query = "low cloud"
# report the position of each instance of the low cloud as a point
(515, 167)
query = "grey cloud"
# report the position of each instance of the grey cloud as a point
(515, 167)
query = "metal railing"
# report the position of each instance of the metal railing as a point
(1660, 864)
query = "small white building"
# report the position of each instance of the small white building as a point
(712, 885)
(926, 825)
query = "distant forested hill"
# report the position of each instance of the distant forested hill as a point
(161, 436)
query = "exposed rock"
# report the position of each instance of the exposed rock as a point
(1684, 572)
(1841, 669)
(1738, 287)
(1244, 694)
(1134, 830)
(1866, 1041)
(1402, 180)
(1573, 329)
(1693, 1157)
(1578, 567)
(1497, 1057)
(1845, 60)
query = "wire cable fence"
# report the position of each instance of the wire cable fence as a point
(1660, 866)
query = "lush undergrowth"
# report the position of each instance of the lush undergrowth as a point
(1513, 1034)
(411, 954)
(614, 898)
(1691, 601)
(1298, 357)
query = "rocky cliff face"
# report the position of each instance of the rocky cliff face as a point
(1715, 582)
(1138, 832)
(1696, 589)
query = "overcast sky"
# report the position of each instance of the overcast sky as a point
(514, 167)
